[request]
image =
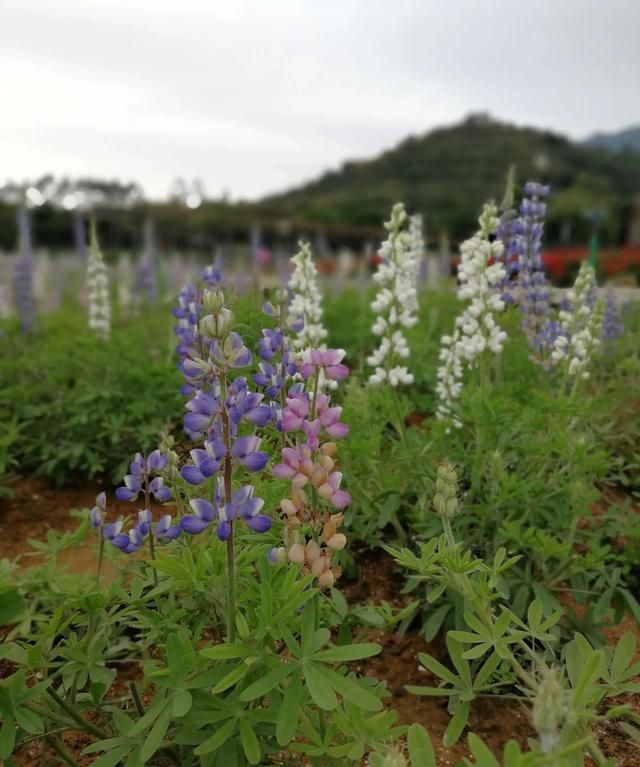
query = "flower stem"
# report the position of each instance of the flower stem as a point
(100, 557)
(152, 548)
(231, 554)
(316, 383)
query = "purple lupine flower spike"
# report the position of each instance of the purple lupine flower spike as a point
(23, 273)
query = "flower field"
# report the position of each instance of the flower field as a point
(376, 523)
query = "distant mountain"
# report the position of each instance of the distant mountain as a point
(616, 142)
(448, 173)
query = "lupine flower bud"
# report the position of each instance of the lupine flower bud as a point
(445, 500)
(550, 709)
(337, 542)
(296, 553)
(213, 301)
(327, 579)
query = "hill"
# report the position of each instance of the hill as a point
(624, 140)
(446, 175)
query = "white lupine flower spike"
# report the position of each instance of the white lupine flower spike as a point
(305, 309)
(480, 276)
(396, 303)
(306, 300)
(98, 285)
(580, 327)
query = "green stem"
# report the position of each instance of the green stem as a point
(231, 554)
(396, 404)
(100, 557)
(97, 731)
(57, 745)
(316, 383)
(137, 700)
(152, 549)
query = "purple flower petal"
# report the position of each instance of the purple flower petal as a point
(224, 530)
(193, 525)
(124, 494)
(192, 475)
(255, 461)
(203, 508)
(259, 523)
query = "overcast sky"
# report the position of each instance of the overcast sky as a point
(256, 96)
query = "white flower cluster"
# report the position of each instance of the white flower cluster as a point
(396, 303)
(98, 285)
(306, 301)
(475, 329)
(580, 325)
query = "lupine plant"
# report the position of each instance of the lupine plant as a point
(98, 286)
(306, 301)
(481, 275)
(580, 328)
(396, 303)
(532, 286)
(277, 680)
(497, 650)
(23, 273)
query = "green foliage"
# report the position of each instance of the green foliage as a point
(284, 684)
(81, 406)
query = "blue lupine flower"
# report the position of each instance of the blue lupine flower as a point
(204, 514)
(232, 351)
(141, 470)
(23, 273)
(203, 408)
(98, 512)
(244, 506)
(245, 450)
(129, 543)
(612, 321)
(533, 285)
(165, 530)
(205, 462)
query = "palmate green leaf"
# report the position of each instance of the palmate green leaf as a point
(12, 606)
(318, 686)
(233, 677)
(221, 735)
(481, 752)
(154, 739)
(266, 683)
(319, 639)
(456, 724)
(350, 690)
(434, 622)
(227, 651)
(289, 711)
(147, 720)
(479, 650)
(420, 747)
(112, 758)
(106, 745)
(459, 660)
(29, 721)
(181, 703)
(622, 656)
(250, 744)
(7, 737)
(430, 663)
(345, 653)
